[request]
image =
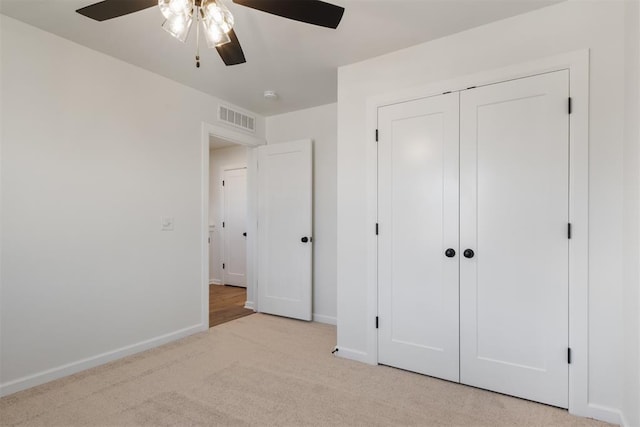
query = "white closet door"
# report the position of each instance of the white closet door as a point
(235, 227)
(284, 229)
(514, 214)
(418, 222)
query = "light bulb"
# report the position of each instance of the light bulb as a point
(214, 34)
(171, 8)
(227, 22)
(216, 11)
(178, 6)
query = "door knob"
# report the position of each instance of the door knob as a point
(468, 253)
(450, 253)
(304, 239)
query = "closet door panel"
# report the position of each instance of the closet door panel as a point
(514, 215)
(418, 219)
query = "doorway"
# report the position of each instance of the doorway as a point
(227, 231)
(227, 199)
(279, 193)
(226, 303)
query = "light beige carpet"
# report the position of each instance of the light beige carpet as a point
(264, 370)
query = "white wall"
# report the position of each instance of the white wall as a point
(565, 27)
(631, 295)
(319, 124)
(219, 160)
(94, 152)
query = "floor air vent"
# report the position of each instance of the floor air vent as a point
(237, 119)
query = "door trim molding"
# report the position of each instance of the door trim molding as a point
(577, 63)
(208, 130)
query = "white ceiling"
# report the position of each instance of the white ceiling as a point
(297, 60)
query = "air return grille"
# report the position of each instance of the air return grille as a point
(237, 119)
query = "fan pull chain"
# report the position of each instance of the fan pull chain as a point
(197, 37)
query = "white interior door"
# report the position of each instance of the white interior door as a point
(235, 227)
(514, 215)
(418, 223)
(284, 229)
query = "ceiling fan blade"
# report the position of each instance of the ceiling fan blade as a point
(310, 11)
(231, 53)
(109, 9)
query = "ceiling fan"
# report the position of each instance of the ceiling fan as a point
(217, 21)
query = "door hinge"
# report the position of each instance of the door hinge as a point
(569, 106)
(569, 355)
(223, 183)
(376, 135)
(223, 266)
(209, 240)
(376, 322)
(568, 230)
(376, 228)
(222, 224)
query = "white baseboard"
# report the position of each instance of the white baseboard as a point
(215, 282)
(623, 420)
(250, 305)
(358, 356)
(321, 318)
(90, 362)
(604, 413)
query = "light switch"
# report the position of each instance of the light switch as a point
(166, 223)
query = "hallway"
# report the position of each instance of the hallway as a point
(226, 303)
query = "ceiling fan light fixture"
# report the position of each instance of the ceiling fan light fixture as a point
(180, 14)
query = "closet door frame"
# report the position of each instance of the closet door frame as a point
(577, 63)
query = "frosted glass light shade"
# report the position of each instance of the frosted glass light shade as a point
(178, 26)
(214, 34)
(217, 21)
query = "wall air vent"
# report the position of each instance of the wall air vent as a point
(237, 119)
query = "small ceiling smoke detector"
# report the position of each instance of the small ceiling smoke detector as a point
(270, 95)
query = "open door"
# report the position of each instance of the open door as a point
(284, 229)
(234, 229)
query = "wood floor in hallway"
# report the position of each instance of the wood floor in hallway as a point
(226, 303)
